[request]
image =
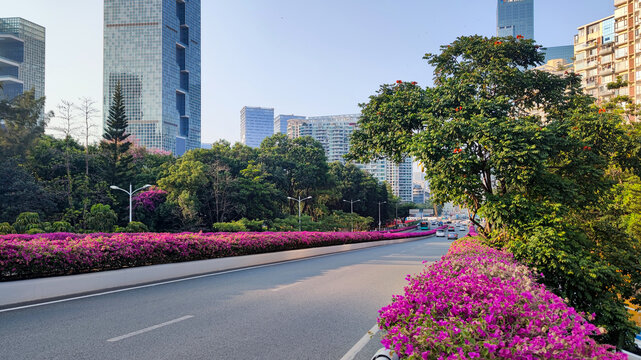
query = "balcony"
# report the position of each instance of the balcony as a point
(620, 12)
(607, 50)
(619, 2)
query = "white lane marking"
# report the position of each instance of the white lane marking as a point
(176, 280)
(147, 329)
(285, 286)
(351, 354)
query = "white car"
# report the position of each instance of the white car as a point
(440, 233)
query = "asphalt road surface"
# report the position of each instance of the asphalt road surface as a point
(318, 308)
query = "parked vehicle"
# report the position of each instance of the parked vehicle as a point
(440, 233)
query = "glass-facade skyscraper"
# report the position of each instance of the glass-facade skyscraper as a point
(565, 52)
(22, 57)
(280, 122)
(334, 133)
(515, 17)
(256, 123)
(152, 48)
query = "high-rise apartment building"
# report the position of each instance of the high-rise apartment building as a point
(280, 122)
(597, 58)
(256, 123)
(22, 57)
(152, 49)
(515, 17)
(334, 133)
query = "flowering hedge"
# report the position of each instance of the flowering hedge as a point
(30, 256)
(479, 303)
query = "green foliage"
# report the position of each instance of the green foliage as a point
(115, 140)
(101, 218)
(532, 155)
(61, 226)
(26, 221)
(35, 230)
(136, 227)
(21, 192)
(6, 228)
(23, 122)
(235, 226)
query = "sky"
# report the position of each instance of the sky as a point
(299, 57)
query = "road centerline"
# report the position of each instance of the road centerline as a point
(147, 329)
(351, 354)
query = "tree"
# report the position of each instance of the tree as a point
(88, 112)
(68, 129)
(22, 123)
(101, 218)
(527, 151)
(115, 142)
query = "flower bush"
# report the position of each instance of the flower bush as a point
(28, 256)
(479, 303)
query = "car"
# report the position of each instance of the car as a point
(440, 233)
(451, 228)
(461, 228)
(452, 236)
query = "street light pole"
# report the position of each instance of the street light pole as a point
(351, 210)
(299, 207)
(379, 213)
(130, 193)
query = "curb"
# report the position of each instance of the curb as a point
(32, 290)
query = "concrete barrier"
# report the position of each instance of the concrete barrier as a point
(32, 290)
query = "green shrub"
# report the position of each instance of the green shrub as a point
(235, 226)
(26, 221)
(252, 225)
(136, 227)
(35, 230)
(101, 218)
(6, 228)
(61, 226)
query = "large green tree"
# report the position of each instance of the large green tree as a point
(22, 122)
(115, 141)
(527, 151)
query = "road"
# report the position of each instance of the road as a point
(317, 308)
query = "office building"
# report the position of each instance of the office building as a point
(152, 49)
(565, 52)
(334, 133)
(280, 122)
(515, 17)
(256, 123)
(22, 57)
(597, 59)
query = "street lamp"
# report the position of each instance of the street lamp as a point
(130, 193)
(351, 210)
(379, 213)
(299, 207)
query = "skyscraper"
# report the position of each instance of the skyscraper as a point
(515, 17)
(280, 122)
(152, 48)
(22, 57)
(256, 123)
(334, 133)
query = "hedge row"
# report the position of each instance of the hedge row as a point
(479, 303)
(31, 256)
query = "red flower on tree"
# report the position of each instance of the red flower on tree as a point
(498, 42)
(399, 82)
(520, 37)
(414, 83)
(458, 150)
(601, 110)
(587, 148)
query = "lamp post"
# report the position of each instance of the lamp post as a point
(299, 207)
(351, 210)
(379, 213)
(130, 193)
(396, 214)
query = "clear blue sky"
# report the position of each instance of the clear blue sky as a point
(302, 57)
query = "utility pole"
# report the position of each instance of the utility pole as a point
(300, 201)
(351, 210)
